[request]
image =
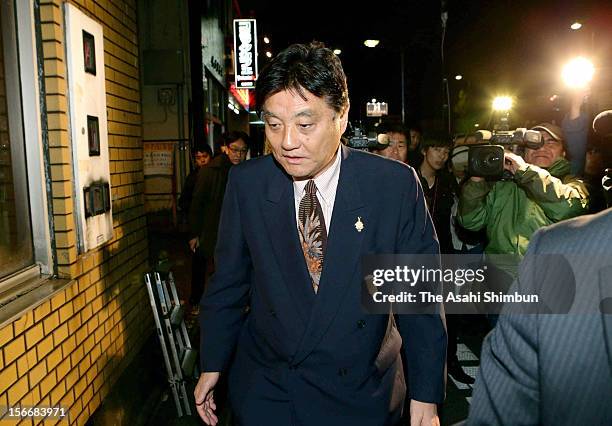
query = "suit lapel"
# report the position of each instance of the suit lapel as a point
(279, 218)
(605, 292)
(341, 257)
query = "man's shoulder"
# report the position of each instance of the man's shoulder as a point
(255, 168)
(377, 166)
(578, 235)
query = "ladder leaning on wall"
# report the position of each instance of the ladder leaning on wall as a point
(179, 356)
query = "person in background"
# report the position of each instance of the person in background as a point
(414, 148)
(202, 156)
(440, 188)
(396, 147)
(575, 127)
(205, 208)
(542, 191)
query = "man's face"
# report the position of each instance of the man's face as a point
(304, 134)
(546, 155)
(436, 156)
(415, 138)
(201, 159)
(397, 148)
(236, 151)
(594, 163)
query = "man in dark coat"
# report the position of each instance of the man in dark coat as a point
(206, 207)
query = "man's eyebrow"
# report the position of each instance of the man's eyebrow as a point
(305, 113)
(265, 113)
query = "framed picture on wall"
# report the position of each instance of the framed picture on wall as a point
(93, 135)
(89, 53)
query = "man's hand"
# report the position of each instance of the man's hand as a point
(193, 244)
(577, 98)
(204, 399)
(423, 414)
(513, 162)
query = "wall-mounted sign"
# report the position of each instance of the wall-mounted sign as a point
(158, 158)
(97, 199)
(213, 48)
(89, 53)
(245, 53)
(93, 135)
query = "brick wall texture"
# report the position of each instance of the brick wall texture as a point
(70, 350)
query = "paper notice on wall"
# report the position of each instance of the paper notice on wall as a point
(158, 159)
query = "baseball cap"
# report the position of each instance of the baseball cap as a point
(552, 129)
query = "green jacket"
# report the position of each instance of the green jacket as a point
(512, 211)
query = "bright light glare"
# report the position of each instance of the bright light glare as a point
(337, 51)
(266, 40)
(502, 103)
(578, 72)
(576, 26)
(458, 77)
(371, 43)
(269, 54)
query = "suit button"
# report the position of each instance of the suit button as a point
(361, 323)
(342, 372)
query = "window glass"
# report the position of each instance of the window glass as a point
(16, 249)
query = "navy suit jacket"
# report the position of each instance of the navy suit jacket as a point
(301, 358)
(553, 368)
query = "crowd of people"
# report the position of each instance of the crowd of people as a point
(290, 332)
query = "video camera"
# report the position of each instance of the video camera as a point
(356, 137)
(486, 156)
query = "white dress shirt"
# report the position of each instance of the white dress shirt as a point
(327, 184)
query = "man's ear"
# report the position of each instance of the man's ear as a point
(344, 118)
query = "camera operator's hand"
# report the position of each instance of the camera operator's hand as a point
(577, 98)
(513, 162)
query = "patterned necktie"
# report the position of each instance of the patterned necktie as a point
(313, 234)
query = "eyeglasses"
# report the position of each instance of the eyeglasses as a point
(242, 151)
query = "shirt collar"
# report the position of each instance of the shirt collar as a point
(326, 182)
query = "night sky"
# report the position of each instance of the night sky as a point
(499, 46)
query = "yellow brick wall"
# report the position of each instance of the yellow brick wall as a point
(71, 349)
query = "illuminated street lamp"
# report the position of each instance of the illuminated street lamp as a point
(458, 77)
(337, 51)
(371, 43)
(269, 54)
(576, 26)
(266, 40)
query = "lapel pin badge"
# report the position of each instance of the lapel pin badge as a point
(359, 224)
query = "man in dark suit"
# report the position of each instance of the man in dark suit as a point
(293, 229)
(554, 367)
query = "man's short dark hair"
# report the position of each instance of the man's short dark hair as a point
(203, 148)
(311, 67)
(394, 127)
(229, 137)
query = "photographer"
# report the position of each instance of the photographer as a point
(542, 191)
